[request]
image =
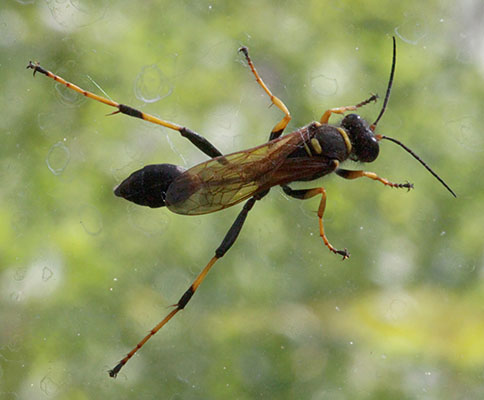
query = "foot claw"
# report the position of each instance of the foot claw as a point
(244, 50)
(343, 253)
(408, 185)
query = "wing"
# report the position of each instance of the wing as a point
(227, 180)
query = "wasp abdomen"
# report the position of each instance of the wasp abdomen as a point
(148, 186)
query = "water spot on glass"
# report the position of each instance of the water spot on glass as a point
(68, 97)
(91, 219)
(49, 386)
(47, 274)
(151, 84)
(57, 158)
(324, 85)
(411, 31)
(467, 267)
(119, 174)
(466, 133)
(59, 376)
(19, 273)
(443, 233)
(397, 309)
(16, 296)
(15, 343)
(144, 221)
(46, 121)
(176, 151)
(73, 14)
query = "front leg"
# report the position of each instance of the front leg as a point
(348, 174)
(341, 110)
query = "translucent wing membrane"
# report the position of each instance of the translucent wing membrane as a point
(227, 180)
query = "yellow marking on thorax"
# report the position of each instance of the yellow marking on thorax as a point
(316, 146)
(308, 150)
(346, 139)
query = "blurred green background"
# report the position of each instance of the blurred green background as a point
(84, 275)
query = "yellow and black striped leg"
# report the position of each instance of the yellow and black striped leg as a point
(341, 110)
(348, 174)
(281, 125)
(304, 194)
(199, 141)
(226, 244)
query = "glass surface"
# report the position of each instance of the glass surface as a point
(85, 275)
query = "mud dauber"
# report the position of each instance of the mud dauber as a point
(306, 154)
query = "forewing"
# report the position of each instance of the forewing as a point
(227, 180)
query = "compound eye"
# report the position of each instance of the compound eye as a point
(369, 151)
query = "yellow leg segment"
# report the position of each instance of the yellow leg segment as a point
(199, 141)
(281, 125)
(347, 174)
(322, 206)
(341, 110)
(178, 307)
(37, 68)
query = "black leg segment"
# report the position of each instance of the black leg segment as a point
(226, 244)
(200, 142)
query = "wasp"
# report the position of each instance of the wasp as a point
(308, 153)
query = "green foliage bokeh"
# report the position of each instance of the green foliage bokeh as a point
(85, 275)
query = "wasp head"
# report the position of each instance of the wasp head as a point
(364, 143)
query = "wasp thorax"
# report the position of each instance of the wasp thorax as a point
(365, 146)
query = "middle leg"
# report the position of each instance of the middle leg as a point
(304, 194)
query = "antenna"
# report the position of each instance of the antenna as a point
(421, 162)
(389, 88)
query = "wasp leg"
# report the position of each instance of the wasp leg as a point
(304, 194)
(226, 244)
(341, 110)
(281, 125)
(199, 141)
(348, 174)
